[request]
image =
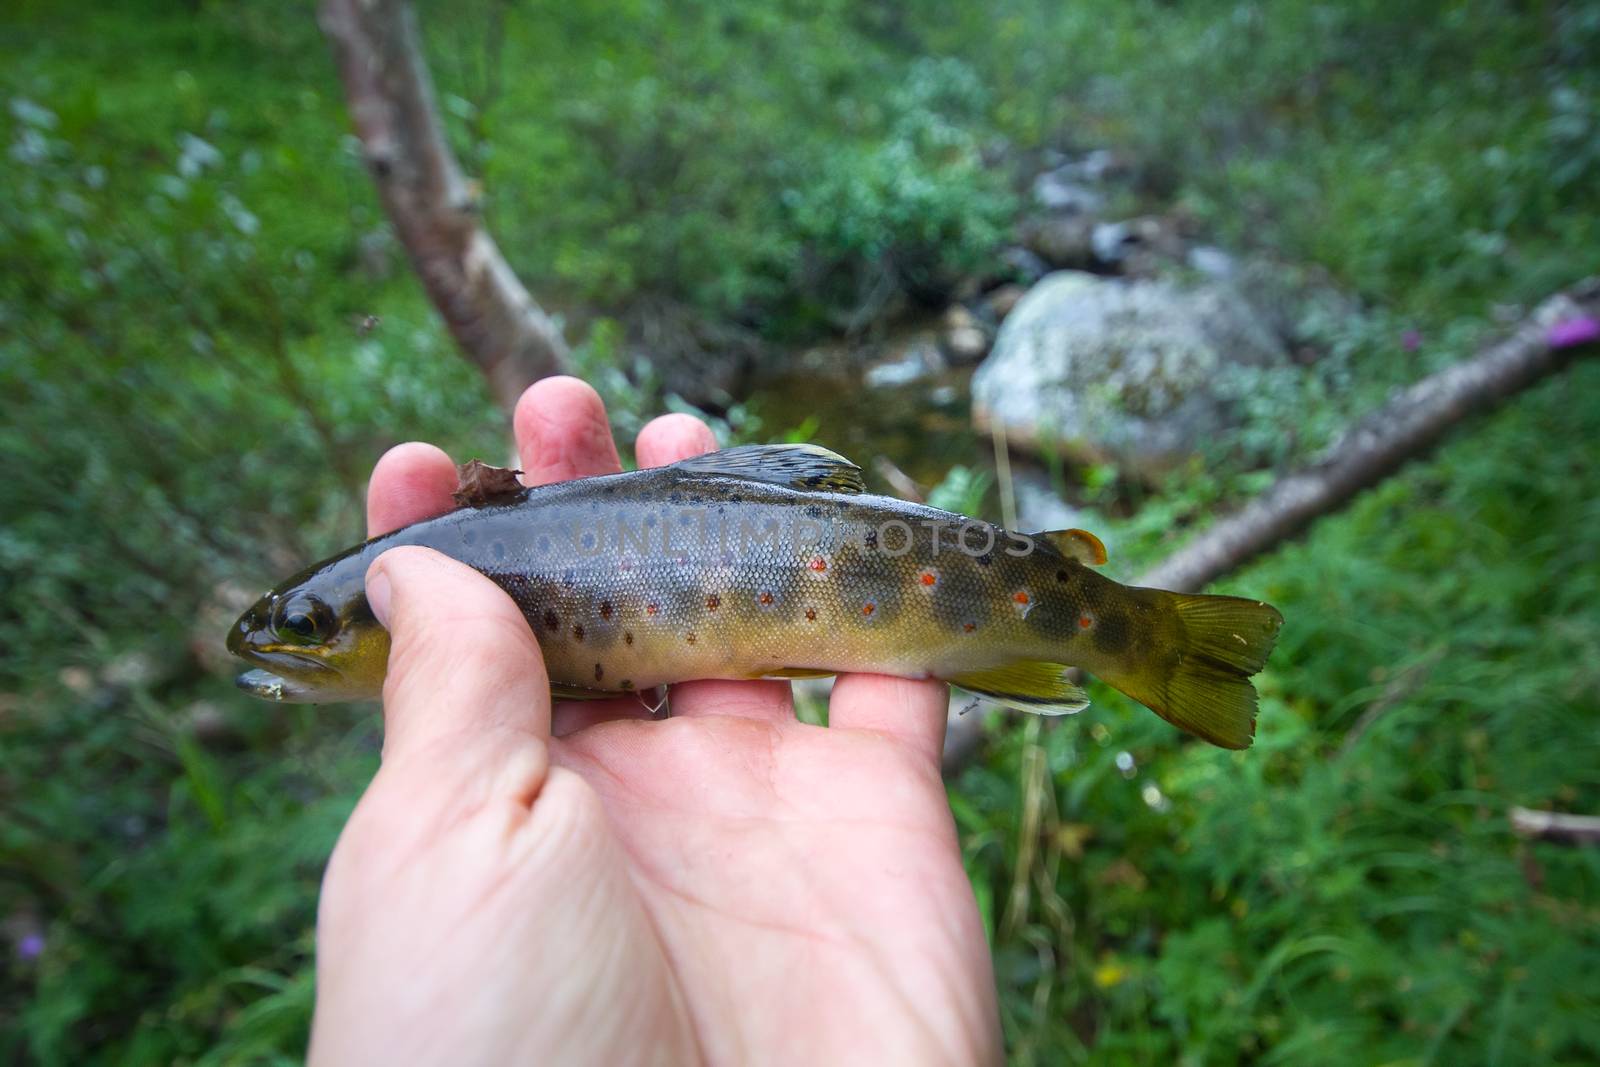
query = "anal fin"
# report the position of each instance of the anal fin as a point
(1029, 685)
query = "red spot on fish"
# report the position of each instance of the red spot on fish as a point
(968, 627)
(811, 614)
(1084, 622)
(868, 608)
(651, 609)
(818, 564)
(1021, 597)
(928, 578)
(765, 598)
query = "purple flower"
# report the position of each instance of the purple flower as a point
(1411, 340)
(31, 947)
(1572, 332)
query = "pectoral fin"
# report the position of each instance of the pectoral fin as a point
(1031, 685)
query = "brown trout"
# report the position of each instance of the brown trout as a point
(772, 561)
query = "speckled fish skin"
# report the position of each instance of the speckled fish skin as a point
(635, 580)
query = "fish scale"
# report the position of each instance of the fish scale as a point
(771, 560)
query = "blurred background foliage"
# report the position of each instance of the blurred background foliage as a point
(207, 334)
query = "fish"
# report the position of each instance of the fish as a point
(772, 561)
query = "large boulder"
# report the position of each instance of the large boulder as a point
(1118, 371)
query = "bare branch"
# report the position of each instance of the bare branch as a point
(1555, 826)
(1558, 331)
(432, 207)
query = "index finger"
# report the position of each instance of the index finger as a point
(410, 482)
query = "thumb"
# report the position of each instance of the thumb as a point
(463, 664)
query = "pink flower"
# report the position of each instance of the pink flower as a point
(1411, 340)
(1572, 332)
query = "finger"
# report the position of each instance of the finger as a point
(570, 716)
(912, 712)
(770, 701)
(411, 482)
(462, 661)
(562, 432)
(669, 438)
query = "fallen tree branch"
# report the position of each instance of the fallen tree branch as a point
(432, 207)
(1555, 826)
(1404, 429)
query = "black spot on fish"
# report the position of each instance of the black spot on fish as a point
(734, 498)
(551, 622)
(984, 559)
(577, 632)
(674, 498)
(599, 672)
(713, 602)
(870, 539)
(627, 637)
(1062, 576)
(689, 637)
(626, 683)
(605, 609)
(1111, 631)
(814, 511)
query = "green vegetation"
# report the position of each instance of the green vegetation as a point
(206, 337)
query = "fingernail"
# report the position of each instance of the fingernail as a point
(378, 595)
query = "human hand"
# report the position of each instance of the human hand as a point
(581, 884)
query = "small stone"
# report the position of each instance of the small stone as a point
(1062, 190)
(914, 358)
(964, 339)
(1003, 299)
(1065, 241)
(1022, 265)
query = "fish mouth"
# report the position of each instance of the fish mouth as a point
(304, 680)
(269, 686)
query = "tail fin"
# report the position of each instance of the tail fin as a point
(1216, 644)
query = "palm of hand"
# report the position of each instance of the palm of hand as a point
(730, 885)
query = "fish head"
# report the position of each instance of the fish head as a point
(314, 639)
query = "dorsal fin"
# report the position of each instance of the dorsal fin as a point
(1080, 545)
(796, 466)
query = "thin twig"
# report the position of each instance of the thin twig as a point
(1555, 826)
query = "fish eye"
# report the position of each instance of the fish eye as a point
(303, 621)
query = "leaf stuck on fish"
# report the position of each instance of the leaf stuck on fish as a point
(480, 485)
